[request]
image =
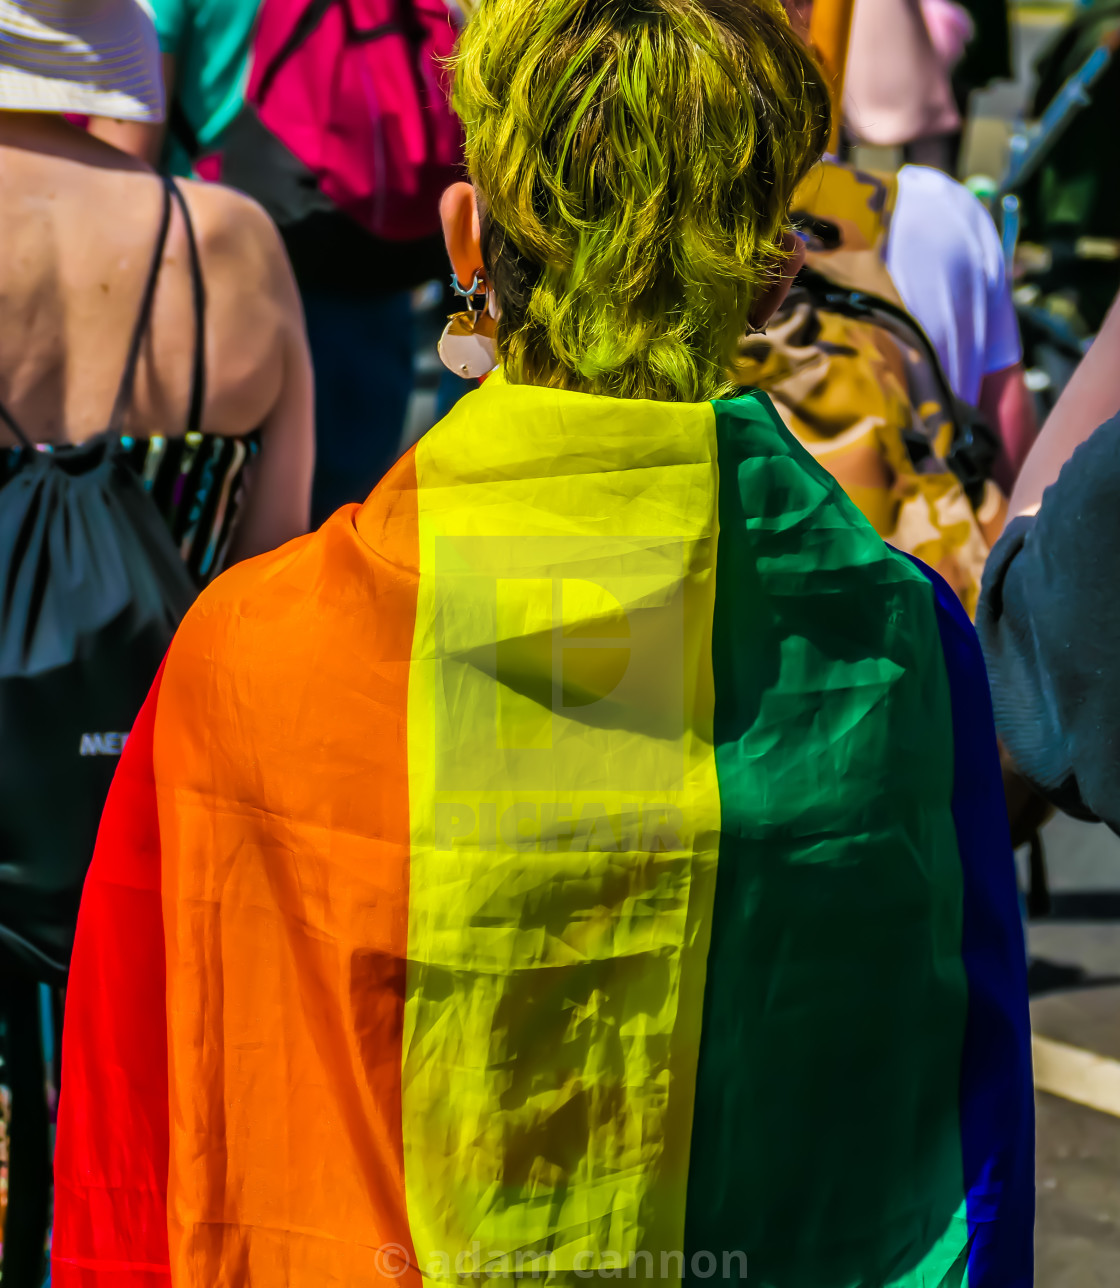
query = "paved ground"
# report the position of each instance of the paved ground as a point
(1076, 979)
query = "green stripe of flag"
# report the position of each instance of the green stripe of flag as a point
(826, 1140)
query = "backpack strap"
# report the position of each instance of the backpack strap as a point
(975, 444)
(128, 375)
(407, 22)
(311, 17)
(9, 420)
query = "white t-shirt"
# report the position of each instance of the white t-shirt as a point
(945, 257)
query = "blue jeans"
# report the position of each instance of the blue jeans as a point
(361, 349)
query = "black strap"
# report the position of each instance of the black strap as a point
(128, 375)
(198, 297)
(975, 444)
(408, 24)
(311, 17)
(198, 294)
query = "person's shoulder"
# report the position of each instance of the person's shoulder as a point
(229, 224)
(256, 586)
(956, 233)
(926, 184)
(1075, 530)
(295, 593)
(773, 466)
(290, 629)
(793, 509)
(221, 211)
(943, 203)
(1051, 636)
(256, 612)
(248, 277)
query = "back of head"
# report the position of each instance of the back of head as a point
(634, 161)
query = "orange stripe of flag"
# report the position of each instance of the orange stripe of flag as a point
(283, 799)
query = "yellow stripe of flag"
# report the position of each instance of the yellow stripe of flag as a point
(564, 821)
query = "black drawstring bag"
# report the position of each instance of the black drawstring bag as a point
(91, 591)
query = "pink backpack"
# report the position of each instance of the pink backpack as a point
(347, 109)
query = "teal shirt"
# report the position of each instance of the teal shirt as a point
(210, 42)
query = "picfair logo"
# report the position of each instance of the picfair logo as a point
(558, 662)
(578, 657)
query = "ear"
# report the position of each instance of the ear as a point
(462, 235)
(772, 299)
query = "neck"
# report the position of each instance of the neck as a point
(50, 134)
(35, 124)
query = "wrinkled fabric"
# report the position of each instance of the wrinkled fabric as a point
(560, 870)
(1051, 635)
(835, 1076)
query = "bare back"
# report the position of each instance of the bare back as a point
(78, 225)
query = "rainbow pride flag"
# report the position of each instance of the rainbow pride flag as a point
(586, 859)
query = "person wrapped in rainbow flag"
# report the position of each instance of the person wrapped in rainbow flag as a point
(587, 858)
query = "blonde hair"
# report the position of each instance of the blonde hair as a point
(635, 161)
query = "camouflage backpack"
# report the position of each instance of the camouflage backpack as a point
(857, 381)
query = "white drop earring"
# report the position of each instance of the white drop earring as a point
(467, 345)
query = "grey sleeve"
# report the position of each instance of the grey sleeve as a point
(1049, 624)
